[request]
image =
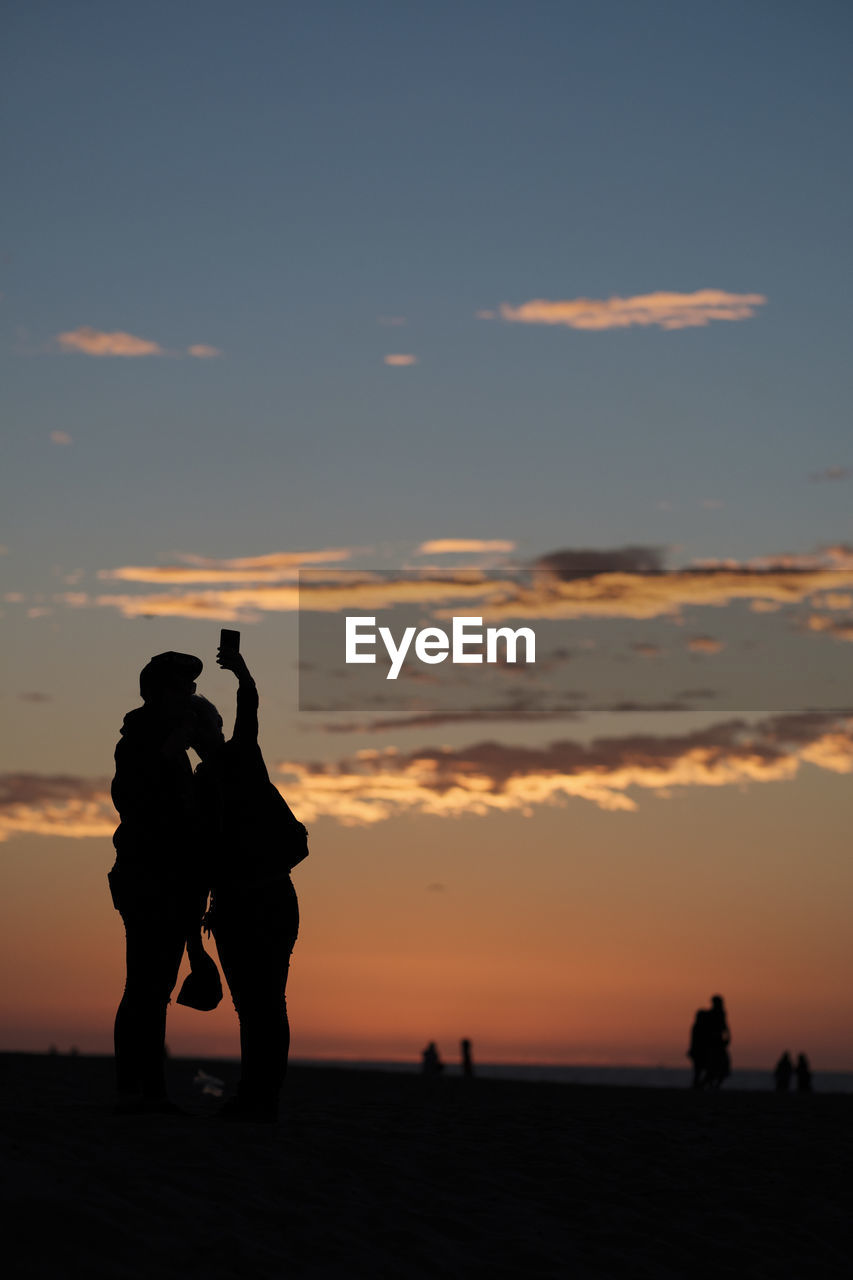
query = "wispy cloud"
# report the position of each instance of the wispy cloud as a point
(95, 342)
(278, 566)
(626, 582)
(60, 437)
(487, 777)
(457, 546)
(400, 361)
(841, 628)
(375, 785)
(705, 644)
(55, 805)
(513, 714)
(664, 309)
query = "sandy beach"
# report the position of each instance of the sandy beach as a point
(376, 1174)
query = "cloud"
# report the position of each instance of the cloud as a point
(55, 805)
(279, 566)
(92, 342)
(375, 785)
(461, 546)
(60, 437)
(400, 361)
(512, 714)
(664, 309)
(95, 342)
(626, 582)
(832, 473)
(705, 644)
(841, 628)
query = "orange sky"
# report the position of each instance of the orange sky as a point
(575, 935)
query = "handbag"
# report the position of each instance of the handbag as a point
(202, 987)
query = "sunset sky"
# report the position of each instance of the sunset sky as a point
(555, 293)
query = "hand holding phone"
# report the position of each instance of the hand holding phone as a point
(228, 654)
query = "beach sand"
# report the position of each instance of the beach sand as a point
(389, 1175)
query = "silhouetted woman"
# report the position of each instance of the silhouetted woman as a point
(155, 882)
(254, 842)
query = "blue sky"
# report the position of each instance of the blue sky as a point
(270, 179)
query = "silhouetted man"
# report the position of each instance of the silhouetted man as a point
(431, 1063)
(709, 1042)
(155, 881)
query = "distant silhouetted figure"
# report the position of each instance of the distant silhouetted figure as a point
(467, 1060)
(155, 881)
(709, 1046)
(782, 1073)
(804, 1074)
(431, 1063)
(253, 841)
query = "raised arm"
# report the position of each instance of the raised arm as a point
(246, 722)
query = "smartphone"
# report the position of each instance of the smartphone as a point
(229, 641)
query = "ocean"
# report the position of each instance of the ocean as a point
(631, 1077)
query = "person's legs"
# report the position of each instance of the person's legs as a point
(155, 946)
(254, 940)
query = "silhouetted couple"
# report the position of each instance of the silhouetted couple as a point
(709, 1046)
(225, 830)
(785, 1069)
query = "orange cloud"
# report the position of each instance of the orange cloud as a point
(704, 644)
(279, 566)
(455, 546)
(375, 785)
(664, 309)
(55, 805)
(567, 584)
(400, 361)
(202, 351)
(841, 628)
(92, 342)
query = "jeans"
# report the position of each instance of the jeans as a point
(255, 930)
(156, 927)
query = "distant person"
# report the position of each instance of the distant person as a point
(804, 1074)
(709, 1046)
(719, 1060)
(431, 1064)
(253, 841)
(699, 1047)
(782, 1073)
(155, 881)
(467, 1060)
